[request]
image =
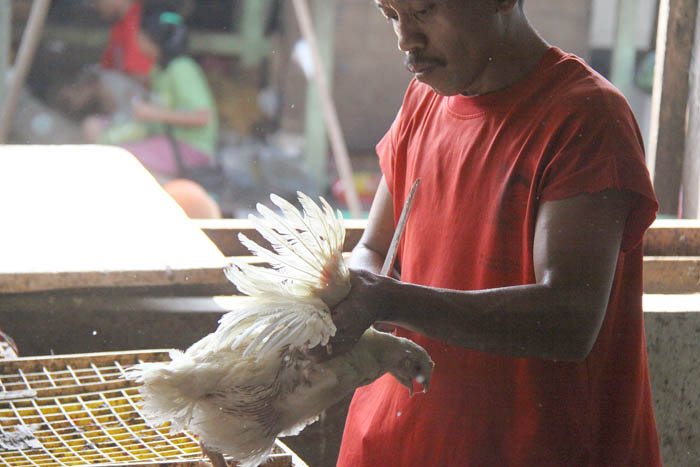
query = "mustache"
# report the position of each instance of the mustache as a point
(412, 61)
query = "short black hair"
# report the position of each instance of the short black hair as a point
(168, 30)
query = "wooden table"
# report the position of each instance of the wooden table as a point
(92, 216)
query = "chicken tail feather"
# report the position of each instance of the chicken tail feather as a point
(169, 392)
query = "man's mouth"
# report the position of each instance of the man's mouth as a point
(420, 66)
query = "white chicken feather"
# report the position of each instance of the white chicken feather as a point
(252, 380)
(309, 271)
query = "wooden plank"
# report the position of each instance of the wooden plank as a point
(671, 248)
(124, 277)
(220, 304)
(671, 274)
(224, 234)
(667, 140)
(691, 160)
(201, 41)
(82, 304)
(673, 237)
(665, 237)
(92, 216)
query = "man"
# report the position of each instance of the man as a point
(521, 261)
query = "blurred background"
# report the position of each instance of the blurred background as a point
(272, 131)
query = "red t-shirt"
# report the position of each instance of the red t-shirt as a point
(123, 52)
(486, 164)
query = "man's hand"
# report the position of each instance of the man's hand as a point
(363, 307)
(357, 312)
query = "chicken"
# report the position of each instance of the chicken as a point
(252, 379)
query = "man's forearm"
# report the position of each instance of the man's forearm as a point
(365, 258)
(533, 321)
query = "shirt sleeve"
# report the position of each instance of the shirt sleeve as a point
(599, 147)
(394, 140)
(385, 152)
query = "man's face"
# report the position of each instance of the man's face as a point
(448, 43)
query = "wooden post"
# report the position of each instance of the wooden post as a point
(691, 160)
(667, 138)
(5, 45)
(323, 12)
(625, 50)
(252, 32)
(330, 113)
(30, 40)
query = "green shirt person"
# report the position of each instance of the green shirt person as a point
(180, 103)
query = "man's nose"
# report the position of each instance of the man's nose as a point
(410, 36)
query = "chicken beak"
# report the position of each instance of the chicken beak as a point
(423, 381)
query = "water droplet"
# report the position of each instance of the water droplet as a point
(94, 333)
